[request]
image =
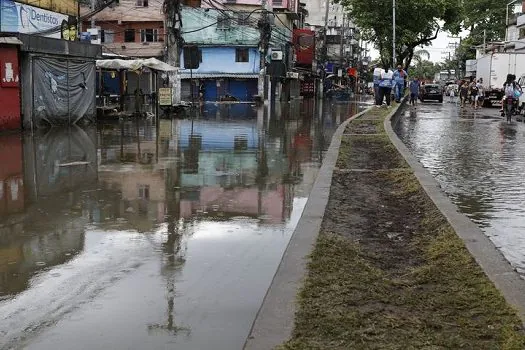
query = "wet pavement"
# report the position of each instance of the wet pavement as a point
(153, 235)
(479, 161)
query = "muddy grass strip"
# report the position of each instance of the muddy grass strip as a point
(388, 271)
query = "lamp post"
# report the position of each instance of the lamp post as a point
(393, 33)
(507, 19)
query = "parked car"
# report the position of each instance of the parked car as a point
(431, 92)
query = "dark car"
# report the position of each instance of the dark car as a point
(432, 92)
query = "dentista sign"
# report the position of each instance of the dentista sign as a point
(20, 18)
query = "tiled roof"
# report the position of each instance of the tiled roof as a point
(128, 11)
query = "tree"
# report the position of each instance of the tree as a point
(424, 69)
(419, 54)
(485, 20)
(417, 24)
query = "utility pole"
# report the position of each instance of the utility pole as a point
(454, 46)
(173, 26)
(93, 17)
(393, 33)
(265, 30)
(324, 50)
(341, 49)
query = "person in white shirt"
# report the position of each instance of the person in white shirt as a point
(377, 78)
(385, 87)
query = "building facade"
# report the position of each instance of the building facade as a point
(133, 28)
(46, 75)
(226, 43)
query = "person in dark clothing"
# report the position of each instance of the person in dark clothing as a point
(202, 91)
(414, 91)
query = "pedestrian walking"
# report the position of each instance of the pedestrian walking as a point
(451, 93)
(377, 78)
(399, 77)
(385, 87)
(474, 94)
(415, 85)
(481, 93)
(463, 93)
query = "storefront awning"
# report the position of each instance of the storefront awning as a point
(186, 75)
(137, 64)
(10, 40)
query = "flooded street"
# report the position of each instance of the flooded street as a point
(153, 235)
(479, 161)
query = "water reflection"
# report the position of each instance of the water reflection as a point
(176, 226)
(478, 160)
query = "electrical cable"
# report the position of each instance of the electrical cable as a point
(283, 36)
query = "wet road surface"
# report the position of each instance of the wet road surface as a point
(479, 161)
(144, 235)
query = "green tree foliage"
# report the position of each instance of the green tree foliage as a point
(418, 23)
(485, 20)
(424, 69)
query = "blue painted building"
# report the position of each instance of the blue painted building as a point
(229, 58)
(223, 70)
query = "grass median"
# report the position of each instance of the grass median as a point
(388, 271)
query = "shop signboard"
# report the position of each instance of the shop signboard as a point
(21, 18)
(165, 96)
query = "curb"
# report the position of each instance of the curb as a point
(491, 260)
(275, 319)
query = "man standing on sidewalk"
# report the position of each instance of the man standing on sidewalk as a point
(399, 77)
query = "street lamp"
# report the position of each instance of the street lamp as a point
(394, 33)
(507, 18)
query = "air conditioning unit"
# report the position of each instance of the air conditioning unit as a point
(277, 55)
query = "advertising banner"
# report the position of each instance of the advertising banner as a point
(21, 18)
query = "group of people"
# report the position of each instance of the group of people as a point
(385, 80)
(470, 92)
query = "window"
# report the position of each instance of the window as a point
(129, 35)
(142, 3)
(241, 55)
(242, 19)
(143, 191)
(149, 35)
(522, 33)
(107, 36)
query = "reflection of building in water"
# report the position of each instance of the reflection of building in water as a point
(60, 160)
(129, 165)
(11, 175)
(231, 171)
(46, 227)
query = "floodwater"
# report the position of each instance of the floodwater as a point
(153, 235)
(479, 161)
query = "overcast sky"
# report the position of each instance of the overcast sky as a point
(439, 48)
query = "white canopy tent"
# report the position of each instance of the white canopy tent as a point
(136, 64)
